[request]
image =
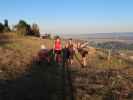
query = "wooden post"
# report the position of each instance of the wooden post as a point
(109, 55)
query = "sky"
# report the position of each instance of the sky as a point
(71, 16)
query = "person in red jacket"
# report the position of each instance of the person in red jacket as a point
(57, 47)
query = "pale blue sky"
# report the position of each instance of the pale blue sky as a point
(71, 16)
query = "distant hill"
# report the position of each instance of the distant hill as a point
(99, 35)
(110, 35)
(115, 46)
(103, 37)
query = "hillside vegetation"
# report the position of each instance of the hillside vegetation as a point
(21, 78)
(17, 52)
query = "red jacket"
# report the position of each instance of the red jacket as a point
(57, 45)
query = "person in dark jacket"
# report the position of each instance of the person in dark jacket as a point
(65, 55)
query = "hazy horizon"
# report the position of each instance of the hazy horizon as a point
(71, 16)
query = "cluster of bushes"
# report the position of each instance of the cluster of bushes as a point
(23, 28)
(4, 27)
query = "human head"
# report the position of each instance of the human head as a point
(66, 46)
(57, 38)
(70, 41)
(43, 47)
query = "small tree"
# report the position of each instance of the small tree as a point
(22, 28)
(1, 28)
(6, 23)
(6, 26)
(35, 30)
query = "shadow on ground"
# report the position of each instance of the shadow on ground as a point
(42, 82)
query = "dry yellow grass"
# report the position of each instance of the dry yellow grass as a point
(16, 53)
(99, 80)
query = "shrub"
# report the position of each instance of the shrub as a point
(1, 28)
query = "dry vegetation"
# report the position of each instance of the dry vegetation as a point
(23, 79)
(103, 80)
(16, 53)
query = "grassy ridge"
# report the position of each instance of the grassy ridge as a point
(17, 52)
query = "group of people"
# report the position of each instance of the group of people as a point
(69, 50)
(66, 54)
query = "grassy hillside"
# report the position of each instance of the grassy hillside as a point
(23, 79)
(16, 53)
